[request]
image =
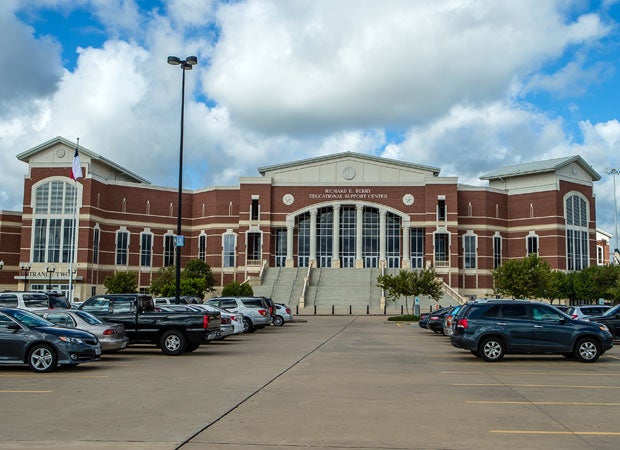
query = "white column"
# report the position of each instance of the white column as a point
(382, 235)
(406, 264)
(289, 246)
(359, 222)
(313, 213)
(336, 237)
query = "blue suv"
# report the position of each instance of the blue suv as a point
(491, 329)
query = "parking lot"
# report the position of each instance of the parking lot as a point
(337, 382)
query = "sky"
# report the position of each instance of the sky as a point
(465, 86)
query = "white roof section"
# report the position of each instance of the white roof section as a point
(538, 167)
(50, 153)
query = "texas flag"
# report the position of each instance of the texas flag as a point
(76, 168)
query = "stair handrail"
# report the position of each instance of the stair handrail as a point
(452, 293)
(302, 299)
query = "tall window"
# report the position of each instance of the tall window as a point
(146, 249)
(228, 249)
(392, 253)
(370, 237)
(303, 240)
(280, 241)
(441, 208)
(168, 250)
(202, 247)
(96, 238)
(122, 247)
(531, 243)
(469, 250)
(347, 236)
(442, 249)
(254, 248)
(497, 250)
(54, 227)
(576, 214)
(416, 243)
(254, 209)
(325, 236)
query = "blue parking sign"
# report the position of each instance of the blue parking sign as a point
(180, 241)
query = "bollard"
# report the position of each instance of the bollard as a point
(367, 309)
(385, 309)
(401, 310)
(332, 310)
(315, 310)
(350, 310)
(297, 310)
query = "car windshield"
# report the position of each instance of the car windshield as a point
(88, 318)
(29, 319)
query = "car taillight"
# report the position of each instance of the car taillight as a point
(233, 318)
(109, 332)
(434, 317)
(288, 310)
(462, 323)
(205, 321)
(225, 320)
(574, 316)
(262, 312)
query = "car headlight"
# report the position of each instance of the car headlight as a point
(604, 328)
(71, 339)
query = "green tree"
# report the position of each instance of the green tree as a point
(523, 278)
(237, 289)
(164, 278)
(408, 283)
(196, 279)
(121, 283)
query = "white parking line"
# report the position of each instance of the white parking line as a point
(481, 402)
(581, 374)
(568, 386)
(24, 392)
(588, 433)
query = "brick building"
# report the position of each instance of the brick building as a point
(343, 211)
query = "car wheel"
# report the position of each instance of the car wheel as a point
(248, 326)
(492, 349)
(278, 321)
(587, 350)
(173, 342)
(42, 358)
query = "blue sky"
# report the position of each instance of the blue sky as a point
(464, 86)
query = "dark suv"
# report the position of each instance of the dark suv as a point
(491, 329)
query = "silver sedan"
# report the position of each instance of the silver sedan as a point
(111, 336)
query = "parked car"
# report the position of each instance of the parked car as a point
(610, 318)
(254, 316)
(58, 300)
(448, 320)
(435, 320)
(183, 300)
(26, 338)
(24, 300)
(423, 323)
(582, 311)
(491, 329)
(232, 323)
(283, 315)
(174, 333)
(111, 336)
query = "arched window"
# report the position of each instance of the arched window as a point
(54, 222)
(576, 215)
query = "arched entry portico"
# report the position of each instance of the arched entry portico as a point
(345, 234)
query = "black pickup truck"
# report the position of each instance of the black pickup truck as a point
(174, 332)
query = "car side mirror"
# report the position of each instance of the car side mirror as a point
(562, 320)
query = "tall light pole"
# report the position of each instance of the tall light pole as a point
(186, 64)
(50, 270)
(614, 172)
(25, 269)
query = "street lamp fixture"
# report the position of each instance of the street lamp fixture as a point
(185, 64)
(50, 270)
(614, 172)
(25, 269)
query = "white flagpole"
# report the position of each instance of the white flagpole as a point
(73, 233)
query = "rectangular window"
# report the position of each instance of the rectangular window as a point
(442, 250)
(532, 244)
(40, 238)
(469, 251)
(416, 240)
(229, 250)
(254, 209)
(53, 242)
(497, 251)
(146, 240)
(254, 248)
(202, 247)
(122, 240)
(441, 209)
(168, 250)
(96, 246)
(42, 199)
(280, 246)
(68, 240)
